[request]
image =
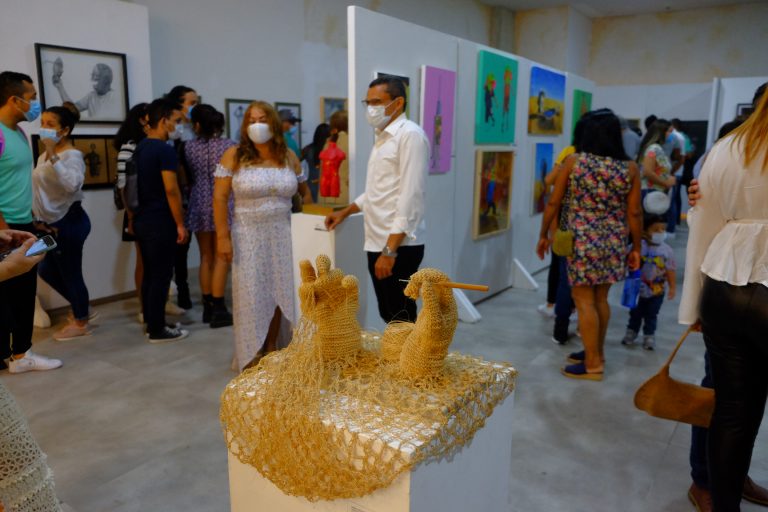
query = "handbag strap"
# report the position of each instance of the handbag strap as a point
(565, 206)
(679, 344)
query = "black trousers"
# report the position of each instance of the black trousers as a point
(157, 242)
(180, 270)
(735, 325)
(553, 278)
(393, 304)
(17, 308)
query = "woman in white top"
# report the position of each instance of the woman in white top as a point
(726, 292)
(264, 176)
(57, 184)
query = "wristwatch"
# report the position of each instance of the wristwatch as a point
(386, 251)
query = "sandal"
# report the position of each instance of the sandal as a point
(579, 371)
(576, 357)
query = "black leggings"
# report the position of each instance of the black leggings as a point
(17, 309)
(735, 325)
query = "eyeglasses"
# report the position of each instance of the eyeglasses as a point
(375, 103)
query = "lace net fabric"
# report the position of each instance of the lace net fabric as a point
(340, 412)
(26, 481)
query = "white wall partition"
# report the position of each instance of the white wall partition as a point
(382, 43)
(728, 93)
(108, 26)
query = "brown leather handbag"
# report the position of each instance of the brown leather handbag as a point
(664, 397)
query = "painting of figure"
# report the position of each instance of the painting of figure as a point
(546, 102)
(438, 88)
(495, 100)
(493, 191)
(582, 103)
(542, 164)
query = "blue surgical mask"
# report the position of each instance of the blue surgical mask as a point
(49, 133)
(294, 130)
(670, 138)
(189, 112)
(658, 238)
(35, 109)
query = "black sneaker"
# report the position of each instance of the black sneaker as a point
(168, 334)
(221, 318)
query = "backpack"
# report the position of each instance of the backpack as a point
(131, 190)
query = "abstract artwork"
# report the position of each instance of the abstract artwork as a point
(582, 103)
(438, 88)
(545, 152)
(546, 102)
(493, 191)
(95, 81)
(330, 105)
(495, 100)
(234, 112)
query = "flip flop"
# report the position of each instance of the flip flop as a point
(579, 371)
(576, 357)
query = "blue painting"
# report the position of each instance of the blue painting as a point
(546, 102)
(543, 163)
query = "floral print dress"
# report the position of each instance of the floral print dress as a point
(262, 265)
(663, 166)
(202, 156)
(597, 216)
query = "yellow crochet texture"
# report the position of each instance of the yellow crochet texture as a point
(341, 413)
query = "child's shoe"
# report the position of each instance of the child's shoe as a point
(629, 338)
(649, 342)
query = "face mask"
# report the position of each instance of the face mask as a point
(177, 132)
(670, 138)
(189, 112)
(376, 115)
(34, 109)
(49, 133)
(259, 133)
(294, 130)
(658, 238)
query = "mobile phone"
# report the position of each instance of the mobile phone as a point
(45, 244)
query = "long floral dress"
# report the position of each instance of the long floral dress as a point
(597, 215)
(262, 269)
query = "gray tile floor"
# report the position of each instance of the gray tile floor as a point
(130, 426)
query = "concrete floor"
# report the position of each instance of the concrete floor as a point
(130, 426)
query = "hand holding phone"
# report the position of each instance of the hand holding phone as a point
(32, 247)
(16, 262)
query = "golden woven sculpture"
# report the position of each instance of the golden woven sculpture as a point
(329, 417)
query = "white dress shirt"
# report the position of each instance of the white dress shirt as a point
(394, 197)
(728, 238)
(56, 187)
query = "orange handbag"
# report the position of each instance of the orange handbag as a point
(664, 397)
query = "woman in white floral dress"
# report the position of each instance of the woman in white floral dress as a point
(263, 175)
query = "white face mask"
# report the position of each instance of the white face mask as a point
(376, 115)
(658, 238)
(259, 133)
(177, 132)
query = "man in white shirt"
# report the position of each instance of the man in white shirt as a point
(674, 147)
(394, 198)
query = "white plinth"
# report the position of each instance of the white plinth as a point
(344, 245)
(477, 479)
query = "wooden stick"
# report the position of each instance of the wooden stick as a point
(462, 286)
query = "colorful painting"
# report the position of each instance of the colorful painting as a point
(496, 97)
(582, 103)
(407, 82)
(438, 88)
(329, 106)
(493, 191)
(546, 102)
(545, 154)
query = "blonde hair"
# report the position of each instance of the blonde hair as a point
(753, 134)
(246, 152)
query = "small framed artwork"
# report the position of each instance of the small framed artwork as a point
(295, 109)
(545, 155)
(234, 112)
(330, 105)
(95, 81)
(744, 110)
(99, 154)
(546, 102)
(493, 192)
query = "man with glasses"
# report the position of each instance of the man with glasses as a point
(394, 199)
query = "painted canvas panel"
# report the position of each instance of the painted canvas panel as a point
(407, 82)
(582, 103)
(438, 103)
(495, 100)
(545, 154)
(493, 191)
(546, 102)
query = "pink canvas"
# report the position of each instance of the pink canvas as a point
(438, 103)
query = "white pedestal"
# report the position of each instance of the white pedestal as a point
(344, 245)
(476, 479)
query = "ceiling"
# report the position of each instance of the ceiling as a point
(601, 8)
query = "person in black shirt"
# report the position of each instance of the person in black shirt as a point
(159, 220)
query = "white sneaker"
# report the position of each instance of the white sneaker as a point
(173, 309)
(574, 317)
(547, 311)
(32, 362)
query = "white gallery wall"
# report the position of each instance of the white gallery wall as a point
(449, 242)
(728, 93)
(97, 25)
(688, 102)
